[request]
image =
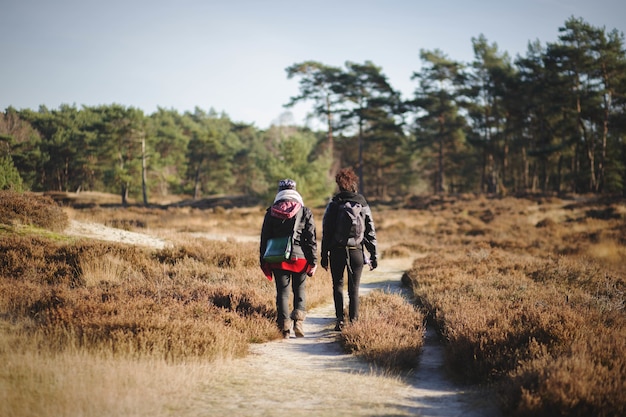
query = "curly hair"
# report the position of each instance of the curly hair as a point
(347, 180)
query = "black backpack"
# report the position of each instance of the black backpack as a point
(350, 226)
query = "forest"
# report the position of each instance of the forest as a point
(552, 121)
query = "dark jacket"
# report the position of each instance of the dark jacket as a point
(305, 239)
(330, 219)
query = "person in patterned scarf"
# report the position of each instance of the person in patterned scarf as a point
(285, 216)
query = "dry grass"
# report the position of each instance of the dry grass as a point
(205, 299)
(529, 294)
(389, 332)
(524, 297)
(162, 304)
(76, 383)
(18, 209)
(178, 223)
(71, 308)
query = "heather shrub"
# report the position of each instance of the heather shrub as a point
(528, 294)
(146, 308)
(227, 255)
(389, 332)
(43, 261)
(197, 299)
(31, 209)
(533, 303)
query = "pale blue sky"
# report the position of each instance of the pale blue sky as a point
(231, 55)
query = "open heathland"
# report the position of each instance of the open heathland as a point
(527, 294)
(531, 295)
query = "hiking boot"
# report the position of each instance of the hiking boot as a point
(339, 326)
(298, 317)
(285, 328)
(298, 328)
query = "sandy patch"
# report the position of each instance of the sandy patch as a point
(101, 232)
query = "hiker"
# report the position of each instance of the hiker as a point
(347, 252)
(287, 217)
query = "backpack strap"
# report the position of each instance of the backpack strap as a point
(298, 219)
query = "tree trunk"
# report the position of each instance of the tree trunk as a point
(624, 165)
(605, 134)
(196, 184)
(439, 181)
(143, 171)
(360, 168)
(525, 169)
(559, 174)
(124, 194)
(590, 145)
(483, 174)
(574, 170)
(505, 163)
(331, 145)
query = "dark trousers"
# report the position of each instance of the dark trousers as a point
(351, 261)
(285, 279)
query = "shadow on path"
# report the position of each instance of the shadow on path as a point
(313, 376)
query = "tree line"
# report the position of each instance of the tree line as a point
(553, 120)
(118, 149)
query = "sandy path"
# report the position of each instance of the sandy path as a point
(312, 376)
(98, 231)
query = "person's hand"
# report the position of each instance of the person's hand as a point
(324, 262)
(373, 264)
(312, 270)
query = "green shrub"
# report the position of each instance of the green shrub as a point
(10, 178)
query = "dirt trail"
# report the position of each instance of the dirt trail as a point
(312, 375)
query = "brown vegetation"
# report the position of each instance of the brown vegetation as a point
(389, 332)
(68, 303)
(28, 209)
(530, 294)
(113, 298)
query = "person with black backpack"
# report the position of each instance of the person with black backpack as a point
(347, 231)
(288, 232)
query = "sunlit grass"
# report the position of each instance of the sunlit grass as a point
(529, 294)
(72, 383)
(536, 308)
(389, 332)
